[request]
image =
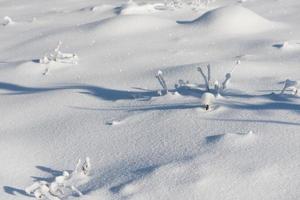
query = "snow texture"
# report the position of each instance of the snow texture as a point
(107, 104)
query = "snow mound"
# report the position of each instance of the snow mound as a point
(220, 167)
(232, 19)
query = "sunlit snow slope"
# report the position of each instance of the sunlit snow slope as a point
(105, 104)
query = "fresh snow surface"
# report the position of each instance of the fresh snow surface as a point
(108, 105)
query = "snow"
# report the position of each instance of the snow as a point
(233, 20)
(99, 98)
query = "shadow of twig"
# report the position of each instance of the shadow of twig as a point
(14, 191)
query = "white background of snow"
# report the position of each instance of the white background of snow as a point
(164, 148)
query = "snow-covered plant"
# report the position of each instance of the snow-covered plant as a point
(57, 56)
(292, 85)
(216, 85)
(206, 78)
(229, 75)
(162, 82)
(58, 189)
(8, 21)
(207, 99)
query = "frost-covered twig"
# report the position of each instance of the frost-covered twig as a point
(204, 77)
(58, 56)
(217, 88)
(208, 73)
(226, 81)
(162, 82)
(290, 84)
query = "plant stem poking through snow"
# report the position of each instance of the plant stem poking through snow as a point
(204, 77)
(226, 81)
(58, 56)
(162, 82)
(290, 84)
(217, 88)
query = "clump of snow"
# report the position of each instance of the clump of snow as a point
(8, 21)
(207, 100)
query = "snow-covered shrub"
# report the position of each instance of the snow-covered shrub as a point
(62, 185)
(173, 4)
(162, 82)
(58, 56)
(291, 85)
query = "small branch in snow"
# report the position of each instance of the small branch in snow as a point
(292, 85)
(58, 56)
(162, 82)
(204, 77)
(226, 81)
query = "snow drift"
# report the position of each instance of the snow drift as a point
(216, 173)
(129, 24)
